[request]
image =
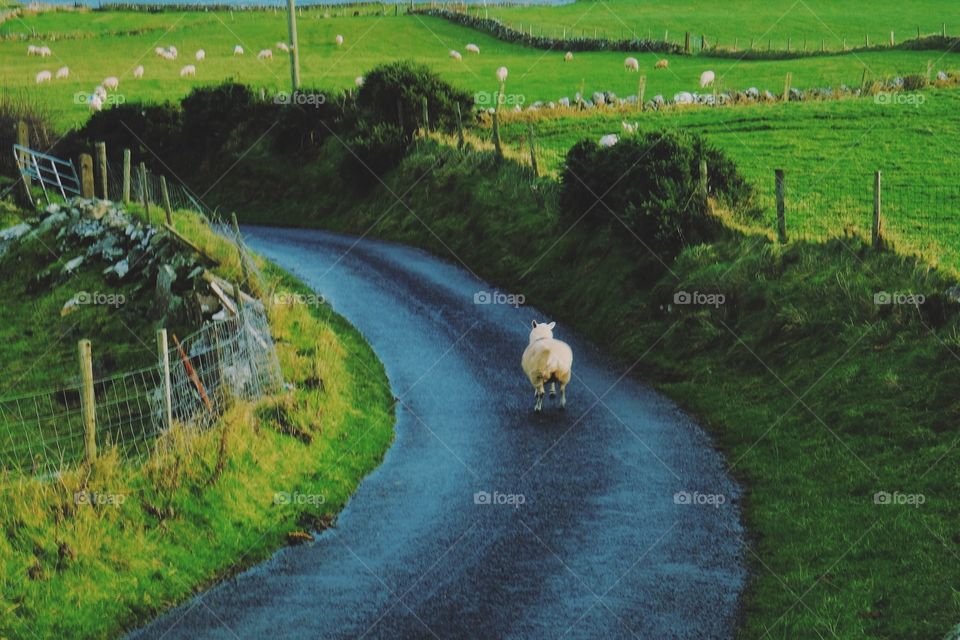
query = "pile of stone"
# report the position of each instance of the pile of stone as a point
(158, 264)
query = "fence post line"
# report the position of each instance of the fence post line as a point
(641, 90)
(943, 30)
(163, 351)
(781, 209)
(786, 87)
(533, 153)
(165, 196)
(877, 220)
(86, 175)
(892, 41)
(686, 42)
(238, 239)
(88, 400)
(23, 139)
(126, 176)
(101, 148)
(144, 190)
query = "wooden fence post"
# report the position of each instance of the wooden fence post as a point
(533, 153)
(165, 196)
(893, 42)
(101, 148)
(144, 190)
(88, 400)
(126, 176)
(781, 209)
(86, 175)
(163, 350)
(686, 42)
(23, 139)
(641, 90)
(788, 81)
(877, 220)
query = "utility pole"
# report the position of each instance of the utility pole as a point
(294, 47)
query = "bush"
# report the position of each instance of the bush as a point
(14, 109)
(213, 117)
(407, 84)
(144, 129)
(307, 119)
(372, 153)
(650, 184)
(914, 82)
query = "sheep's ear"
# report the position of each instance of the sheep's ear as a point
(551, 325)
(533, 324)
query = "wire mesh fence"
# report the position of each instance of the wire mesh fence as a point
(231, 359)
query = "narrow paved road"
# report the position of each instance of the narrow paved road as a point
(583, 536)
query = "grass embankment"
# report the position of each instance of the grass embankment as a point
(818, 397)
(770, 23)
(95, 45)
(206, 504)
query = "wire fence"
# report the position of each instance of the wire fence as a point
(235, 358)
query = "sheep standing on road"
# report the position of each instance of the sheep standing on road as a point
(706, 79)
(63, 73)
(472, 48)
(188, 70)
(265, 54)
(547, 359)
(662, 64)
(631, 64)
(44, 76)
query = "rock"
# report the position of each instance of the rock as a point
(683, 98)
(120, 269)
(96, 209)
(564, 102)
(55, 219)
(52, 208)
(73, 304)
(15, 232)
(598, 98)
(166, 276)
(941, 76)
(72, 265)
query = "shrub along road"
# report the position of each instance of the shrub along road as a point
(613, 519)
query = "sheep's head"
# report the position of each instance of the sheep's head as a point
(541, 330)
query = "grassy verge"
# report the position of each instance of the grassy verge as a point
(820, 398)
(205, 505)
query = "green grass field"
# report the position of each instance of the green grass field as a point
(817, 20)
(97, 52)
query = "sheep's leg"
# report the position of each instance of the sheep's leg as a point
(563, 396)
(553, 390)
(538, 394)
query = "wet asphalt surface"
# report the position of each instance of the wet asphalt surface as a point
(587, 532)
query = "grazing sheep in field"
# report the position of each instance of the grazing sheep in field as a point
(568, 56)
(200, 55)
(359, 80)
(265, 54)
(609, 140)
(706, 79)
(100, 92)
(338, 40)
(472, 48)
(44, 76)
(138, 72)
(631, 64)
(455, 55)
(283, 46)
(502, 74)
(33, 50)
(166, 55)
(159, 51)
(44, 52)
(63, 73)
(111, 83)
(172, 50)
(662, 64)
(188, 70)
(96, 103)
(547, 359)
(238, 50)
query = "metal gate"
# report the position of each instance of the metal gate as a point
(49, 171)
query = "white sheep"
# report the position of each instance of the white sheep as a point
(44, 52)
(338, 40)
(502, 74)
(188, 70)
(472, 48)
(63, 73)
(33, 50)
(166, 55)
(111, 83)
(200, 55)
(100, 92)
(238, 50)
(568, 56)
(455, 55)
(547, 359)
(706, 79)
(44, 76)
(359, 80)
(265, 54)
(631, 64)
(172, 50)
(96, 103)
(138, 72)
(283, 46)
(159, 51)
(609, 140)
(663, 63)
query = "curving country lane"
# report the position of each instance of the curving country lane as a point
(587, 532)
